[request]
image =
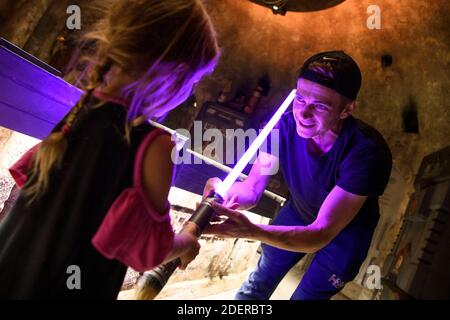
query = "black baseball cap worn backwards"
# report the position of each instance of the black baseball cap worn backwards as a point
(346, 79)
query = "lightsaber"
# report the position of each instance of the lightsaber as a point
(152, 282)
(226, 184)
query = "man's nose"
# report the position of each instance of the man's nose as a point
(306, 111)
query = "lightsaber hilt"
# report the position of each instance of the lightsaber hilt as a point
(204, 213)
(153, 281)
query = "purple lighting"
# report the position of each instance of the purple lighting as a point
(32, 100)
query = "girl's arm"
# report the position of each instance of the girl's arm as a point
(158, 170)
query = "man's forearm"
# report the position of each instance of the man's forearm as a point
(293, 238)
(247, 196)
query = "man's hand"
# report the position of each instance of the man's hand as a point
(211, 185)
(236, 224)
(249, 191)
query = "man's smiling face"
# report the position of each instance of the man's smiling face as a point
(317, 109)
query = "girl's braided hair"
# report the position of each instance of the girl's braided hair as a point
(161, 43)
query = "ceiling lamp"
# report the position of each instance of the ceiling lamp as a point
(283, 6)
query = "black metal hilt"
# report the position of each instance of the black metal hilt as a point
(204, 213)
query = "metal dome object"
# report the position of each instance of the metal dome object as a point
(283, 6)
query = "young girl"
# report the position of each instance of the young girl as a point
(94, 199)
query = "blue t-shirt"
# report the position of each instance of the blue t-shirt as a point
(359, 162)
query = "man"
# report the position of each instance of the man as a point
(335, 167)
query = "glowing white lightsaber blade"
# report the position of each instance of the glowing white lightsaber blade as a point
(226, 184)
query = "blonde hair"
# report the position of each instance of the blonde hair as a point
(162, 43)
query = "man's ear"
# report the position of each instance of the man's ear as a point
(348, 109)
